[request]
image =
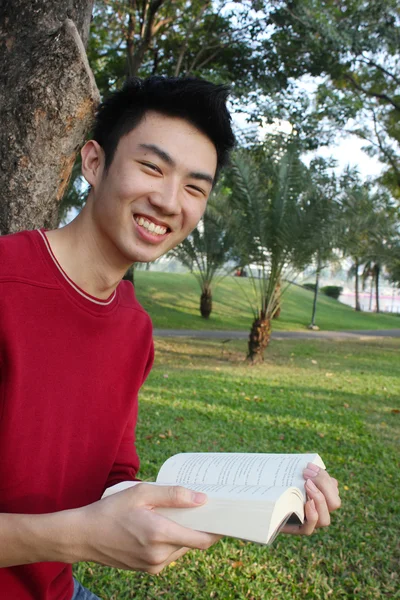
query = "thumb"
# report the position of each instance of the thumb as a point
(153, 495)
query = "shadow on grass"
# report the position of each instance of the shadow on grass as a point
(357, 354)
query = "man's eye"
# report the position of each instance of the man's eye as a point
(196, 190)
(151, 167)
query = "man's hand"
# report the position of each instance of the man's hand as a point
(323, 498)
(124, 531)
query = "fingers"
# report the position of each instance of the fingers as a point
(310, 523)
(179, 536)
(320, 503)
(172, 547)
(327, 485)
(323, 498)
(316, 512)
(167, 496)
(156, 569)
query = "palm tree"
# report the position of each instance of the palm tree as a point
(371, 271)
(208, 248)
(369, 228)
(271, 219)
(358, 221)
(393, 263)
(382, 243)
(325, 210)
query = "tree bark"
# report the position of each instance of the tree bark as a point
(377, 273)
(278, 294)
(357, 307)
(259, 338)
(314, 309)
(136, 55)
(47, 101)
(206, 303)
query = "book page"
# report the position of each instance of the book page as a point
(239, 492)
(222, 468)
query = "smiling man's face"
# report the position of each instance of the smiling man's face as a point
(155, 190)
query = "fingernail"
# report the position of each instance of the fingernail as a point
(313, 467)
(311, 486)
(312, 504)
(199, 497)
(309, 473)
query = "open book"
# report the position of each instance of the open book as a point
(250, 496)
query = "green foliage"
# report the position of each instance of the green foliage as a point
(309, 286)
(333, 291)
(355, 48)
(209, 247)
(370, 231)
(271, 218)
(393, 265)
(216, 41)
(340, 399)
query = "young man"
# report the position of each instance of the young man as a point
(75, 347)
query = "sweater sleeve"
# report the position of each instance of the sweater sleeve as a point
(126, 464)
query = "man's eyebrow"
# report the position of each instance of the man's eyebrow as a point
(203, 176)
(161, 153)
(170, 161)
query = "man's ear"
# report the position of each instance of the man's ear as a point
(92, 162)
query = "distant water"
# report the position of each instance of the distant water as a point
(388, 303)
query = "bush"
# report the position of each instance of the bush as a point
(333, 291)
(309, 286)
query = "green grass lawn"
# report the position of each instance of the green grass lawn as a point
(340, 399)
(173, 303)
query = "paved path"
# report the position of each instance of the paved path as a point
(278, 335)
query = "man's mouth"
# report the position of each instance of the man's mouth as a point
(150, 226)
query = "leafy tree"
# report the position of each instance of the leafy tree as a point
(383, 241)
(214, 40)
(208, 248)
(369, 226)
(393, 265)
(271, 221)
(324, 224)
(354, 47)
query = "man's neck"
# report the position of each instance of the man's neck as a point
(83, 255)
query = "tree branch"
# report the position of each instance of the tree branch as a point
(188, 35)
(384, 150)
(369, 61)
(160, 24)
(371, 93)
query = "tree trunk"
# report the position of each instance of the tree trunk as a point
(314, 310)
(371, 294)
(136, 54)
(278, 294)
(259, 338)
(357, 307)
(377, 272)
(47, 100)
(206, 303)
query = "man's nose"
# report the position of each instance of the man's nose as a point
(167, 199)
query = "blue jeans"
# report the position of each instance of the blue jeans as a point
(81, 593)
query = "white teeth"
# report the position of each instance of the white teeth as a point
(157, 229)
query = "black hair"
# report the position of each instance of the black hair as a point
(199, 102)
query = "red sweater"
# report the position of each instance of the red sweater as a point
(70, 369)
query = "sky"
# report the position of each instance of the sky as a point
(348, 151)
